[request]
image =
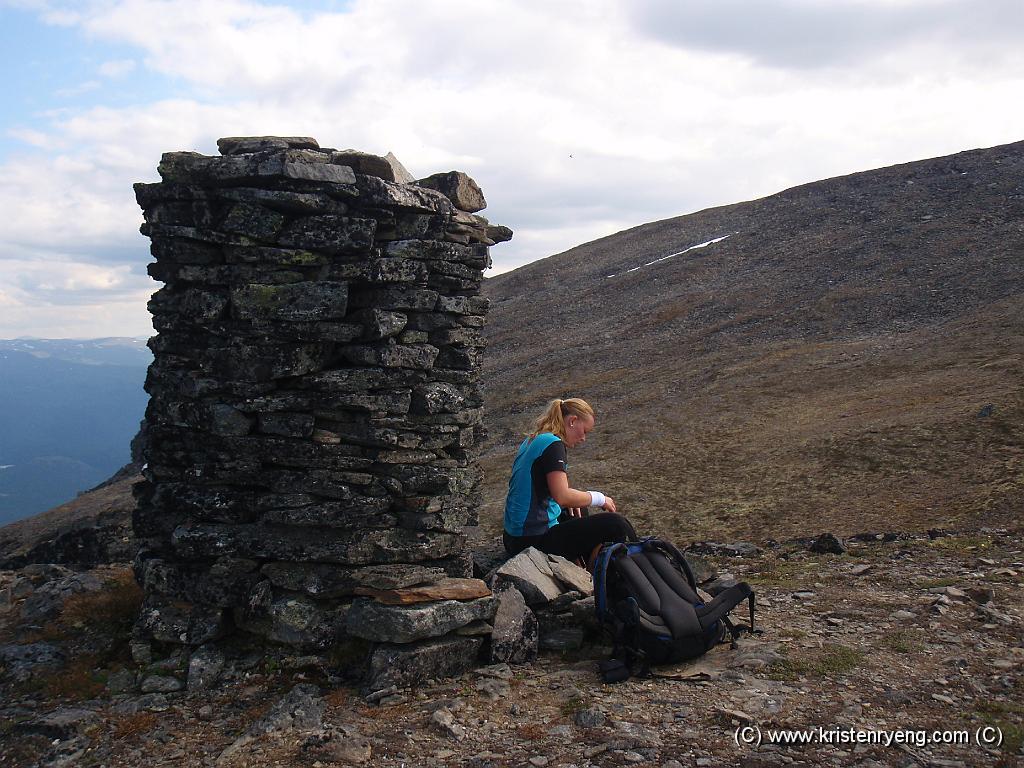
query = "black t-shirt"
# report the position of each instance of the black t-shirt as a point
(553, 459)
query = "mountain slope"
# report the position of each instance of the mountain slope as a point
(849, 356)
(92, 528)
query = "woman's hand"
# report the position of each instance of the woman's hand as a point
(609, 504)
(575, 512)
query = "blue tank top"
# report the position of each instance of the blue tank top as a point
(525, 513)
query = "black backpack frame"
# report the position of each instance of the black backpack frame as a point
(646, 598)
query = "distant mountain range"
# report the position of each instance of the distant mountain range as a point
(68, 412)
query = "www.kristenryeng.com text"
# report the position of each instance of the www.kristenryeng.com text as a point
(755, 736)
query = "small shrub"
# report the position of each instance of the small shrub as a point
(79, 680)
(111, 611)
(104, 617)
(339, 697)
(572, 705)
(531, 731)
(134, 725)
(97, 625)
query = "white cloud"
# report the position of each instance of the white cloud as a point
(116, 68)
(25, 5)
(70, 299)
(29, 136)
(78, 90)
(838, 33)
(577, 120)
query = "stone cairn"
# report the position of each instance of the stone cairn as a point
(315, 407)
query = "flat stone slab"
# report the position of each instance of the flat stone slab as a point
(749, 654)
(566, 639)
(238, 145)
(703, 571)
(371, 620)
(62, 724)
(387, 168)
(325, 580)
(443, 589)
(295, 620)
(321, 545)
(161, 684)
(476, 629)
(542, 578)
(530, 573)
(401, 665)
(571, 576)
(827, 543)
(205, 667)
(719, 585)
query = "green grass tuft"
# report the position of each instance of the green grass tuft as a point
(780, 574)
(903, 642)
(833, 660)
(573, 705)
(961, 544)
(1008, 717)
(948, 581)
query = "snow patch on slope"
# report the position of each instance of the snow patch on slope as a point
(677, 253)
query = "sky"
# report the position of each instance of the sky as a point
(578, 118)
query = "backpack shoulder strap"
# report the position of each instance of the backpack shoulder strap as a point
(725, 602)
(674, 554)
(600, 576)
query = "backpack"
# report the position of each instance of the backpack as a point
(646, 598)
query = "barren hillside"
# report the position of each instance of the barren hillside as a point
(850, 354)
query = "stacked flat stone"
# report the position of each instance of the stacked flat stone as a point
(315, 405)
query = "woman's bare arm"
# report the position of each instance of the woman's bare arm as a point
(570, 498)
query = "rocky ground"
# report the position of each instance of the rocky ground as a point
(913, 633)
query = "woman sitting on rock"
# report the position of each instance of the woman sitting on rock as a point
(541, 509)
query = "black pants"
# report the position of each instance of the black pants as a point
(575, 537)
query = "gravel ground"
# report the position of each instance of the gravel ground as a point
(915, 641)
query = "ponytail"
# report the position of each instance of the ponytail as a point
(553, 418)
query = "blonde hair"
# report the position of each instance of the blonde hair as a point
(553, 418)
